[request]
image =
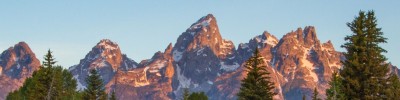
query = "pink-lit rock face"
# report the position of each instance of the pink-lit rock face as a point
(107, 58)
(201, 60)
(16, 63)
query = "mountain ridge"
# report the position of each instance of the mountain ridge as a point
(16, 64)
(202, 60)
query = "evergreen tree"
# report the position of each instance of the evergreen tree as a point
(69, 84)
(256, 86)
(315, 94)
(49, 82)
(364, 72)
(334, 92)
(78, 95)
(304, 97)
(95, 89)
(186, 94)
(113, 97)
(393, 88)
(198, 96)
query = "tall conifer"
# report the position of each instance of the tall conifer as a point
(334, 92)
(257, 85)
(364, 74)
(95, 89)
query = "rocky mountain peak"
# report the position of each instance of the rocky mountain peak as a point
(267, 38)
(21, 49)
(169, 48)
(109, 51)
(328, 45)
(204, 22)
(107, 44)
(20, 54)
(204, 34)
(107, 58)
(310, 35)
(16, 64)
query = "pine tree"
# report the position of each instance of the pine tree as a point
(95, 89)
(256, 86)
(315, 94)
(49, 82)
(198, 96)
(41, 85)
(334, 92)
(393, 88)
(364, 72)
(186, 94)
(113, 97)
(69, 84)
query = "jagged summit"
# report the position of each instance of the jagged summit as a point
(21, 47)
(106, 57)
(310, 35)
(203, 22)
(204, 34)
(107, 44)
(16, 64)
(266, 38)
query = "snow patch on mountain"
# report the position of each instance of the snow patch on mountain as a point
(107, 46)
(226, 67)
(200, 51)
(177, 55)
(100, 64)
(157, 66)
(271, 41)
(80, 86)
(183, 81)
(18, 66)
(203, 23)
(308, 65)
(210, 82)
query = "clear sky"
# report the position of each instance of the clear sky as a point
(72, 27)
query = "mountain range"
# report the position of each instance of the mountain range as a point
(200, 60)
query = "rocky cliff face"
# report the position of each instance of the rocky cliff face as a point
(200, 56)
(394, 69)
(152, 79)
(227, 86)
(16, 64)
(201, 60)
(106, 57)
(305, 62)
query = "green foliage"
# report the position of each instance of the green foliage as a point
(364, 75)
(393, 87)
(186, 94)
(95, 89)
(334, 92)
(256, 86)
(49, 82)
(198, 96)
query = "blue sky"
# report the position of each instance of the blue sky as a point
(72, 27)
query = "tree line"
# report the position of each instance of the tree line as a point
(52, 82)
(364, 75)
